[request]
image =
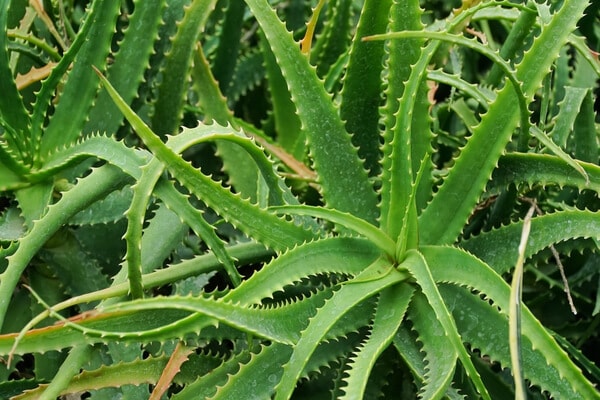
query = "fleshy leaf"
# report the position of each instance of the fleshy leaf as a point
(341, 174)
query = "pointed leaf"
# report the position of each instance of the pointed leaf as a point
(126, 71)
(450, 208)
(439, 356)
(498, 247)
(96, 185)
(173, 86)
(391, 306)
(456, 266)
(341, 173)
(80, 88)
(415, 263)
(13, 114)
(274, 231)
(346, 298)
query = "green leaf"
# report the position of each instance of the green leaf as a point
(405, 96)
(129, 325)
(102, 147)
(546, 170)
(173, 86)
(96, 185)
(341, 174)
(333, 41)
(517, 36)
(126, 72)
(12, 168)
(546, 141)
(417, 265)
(80, 88)
(272, 230)
(391, 306)
(585, 146)
(489, 333)
(450, 208)
(287, 123)
(458, 267)
(346, 298)
(77, 272)
(13, 115)
(229, 38)
(236, 378)
(268, 323)
(440, 358)
(497, 248)
(347, 221)
(361, 92)
(11, 388)
(68, 369)
(246, 384)
(109, 209)
(568, 111)
(12, 225)
(127, 373)
(337, 255)
(210, 98)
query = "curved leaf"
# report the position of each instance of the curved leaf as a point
(342, 175)
(80, 89)
(546, 170)
(347, 297)
(417, 265)
(458, 267)
(391, 306)
(272, 230)
(346, 256)
(439, 356)
(497, 248)
(450, 208)
(96, 185)
(347, 221)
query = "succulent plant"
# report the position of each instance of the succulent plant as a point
(206, 199)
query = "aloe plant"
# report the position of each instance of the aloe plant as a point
(350, 237)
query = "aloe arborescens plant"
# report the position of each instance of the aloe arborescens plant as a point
(366, 242)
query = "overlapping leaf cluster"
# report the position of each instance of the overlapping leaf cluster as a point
(202, 200)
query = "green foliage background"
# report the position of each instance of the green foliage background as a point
(299, 199)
